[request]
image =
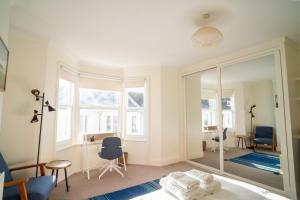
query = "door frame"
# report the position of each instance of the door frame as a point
(276, 52)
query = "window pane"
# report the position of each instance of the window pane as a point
(226, 103)
(227, 119)
(98, 121)
(135, 97)
(65, 92)
(64, 124)
(208, 118)
(135, 123)
(91, 97)
(208, 103)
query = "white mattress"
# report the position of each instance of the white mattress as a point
(231, 190)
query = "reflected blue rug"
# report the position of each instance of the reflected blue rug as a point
(262, 161)
(131, 192)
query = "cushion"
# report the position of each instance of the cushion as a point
(263, 141)
(264, 132)
(4, 168)
(38, 188)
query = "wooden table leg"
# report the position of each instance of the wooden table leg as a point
(56, 177)
(52, 172)
(239, 142)
(66, 179)
(245, 143)
(242, 143)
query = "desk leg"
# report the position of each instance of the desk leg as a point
(242, 143)
(56, 177)
(52, 172)
(238, 142)
(66, 179)
(245, 143)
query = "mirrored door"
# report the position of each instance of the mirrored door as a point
(251, 113)
(202, 137)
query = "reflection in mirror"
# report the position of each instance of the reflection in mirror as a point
(202, 118)
(252, 148)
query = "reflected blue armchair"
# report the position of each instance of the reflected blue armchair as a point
(264, 135)
(35, 188)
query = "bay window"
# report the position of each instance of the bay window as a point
(228, 112)
(99, 111)
(135, 98)
(209, 118)
(65, 110)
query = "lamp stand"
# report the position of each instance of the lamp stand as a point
(40, 135)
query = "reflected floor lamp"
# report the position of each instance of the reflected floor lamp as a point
(35, 119)
(252, 116)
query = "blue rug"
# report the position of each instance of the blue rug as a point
(262, 161)
(130, 192)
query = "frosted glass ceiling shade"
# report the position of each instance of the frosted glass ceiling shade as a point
(206, 36)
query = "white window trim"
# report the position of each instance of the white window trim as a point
(66, 143)
(74, 114)
(145, 136)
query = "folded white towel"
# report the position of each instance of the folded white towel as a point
(203, 177)
(211, 188)
(176, 175)
(183, 180)
(180, 193)
(184, 190)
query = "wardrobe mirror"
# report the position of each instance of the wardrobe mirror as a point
(202, 118)
(252, 142)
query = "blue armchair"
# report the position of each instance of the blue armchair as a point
(264, 135)
(35, 188)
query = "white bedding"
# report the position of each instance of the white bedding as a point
(231, 190)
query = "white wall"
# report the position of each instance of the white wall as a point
(26, 71)
(4, 31)
(170, 116)
(259, 93)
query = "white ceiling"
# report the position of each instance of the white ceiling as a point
(125, 33)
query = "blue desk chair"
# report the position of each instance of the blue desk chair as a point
(264, 135)
(111, 150)
(35, 188)
(217, 139)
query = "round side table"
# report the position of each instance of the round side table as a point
(55, 165)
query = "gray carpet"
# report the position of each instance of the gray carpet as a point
(268, 178)
(81, 188)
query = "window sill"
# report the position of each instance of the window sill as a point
(135, 138)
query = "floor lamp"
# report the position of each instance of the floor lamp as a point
(252, 116)
(35, 119)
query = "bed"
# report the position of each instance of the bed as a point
(231, 190)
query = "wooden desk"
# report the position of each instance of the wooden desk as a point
(244, 139)
(59, 164)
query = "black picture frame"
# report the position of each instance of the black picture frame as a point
(4, 56)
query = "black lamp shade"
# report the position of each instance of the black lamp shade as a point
(34, 119)
(50, 108)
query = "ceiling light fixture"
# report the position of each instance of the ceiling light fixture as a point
(207, 35)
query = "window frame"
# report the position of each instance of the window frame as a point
(101, 108)
(210, 110)
(145, 110)
(232, 110)
(63, 143)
